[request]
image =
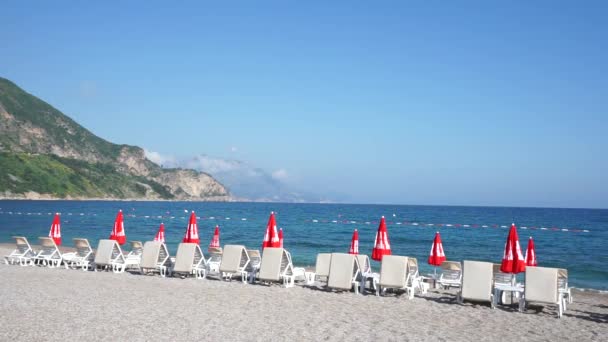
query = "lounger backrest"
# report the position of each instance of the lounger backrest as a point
(48, 246)
(394, 271)
(105, 249)
(323, 263)
(412, 265)
(136, 248)
(499, 276)
(47, 242)
(541, 284)
(254, 257)
(234, 258)
(342, 269)
(270, 268)
(150, 255)
(22, 245)
(184, 259)
(451, 270)
(83, 248)
(477, 280)
(215, 254)
(451, 266)
(364, 263)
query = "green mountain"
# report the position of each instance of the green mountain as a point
(45, 154)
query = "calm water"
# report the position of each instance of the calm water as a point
(310, 229)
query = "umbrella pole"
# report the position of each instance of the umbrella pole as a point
(512, 284)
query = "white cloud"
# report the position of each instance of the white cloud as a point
(233, 149)
(210, 164)
(166, 161)
(280, 175)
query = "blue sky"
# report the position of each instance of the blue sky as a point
(472, 103)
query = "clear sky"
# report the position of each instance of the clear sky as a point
(433, 102)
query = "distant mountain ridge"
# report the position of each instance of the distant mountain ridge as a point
(46, 154)
(245, 181)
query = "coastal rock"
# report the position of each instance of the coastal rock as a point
(45, 154)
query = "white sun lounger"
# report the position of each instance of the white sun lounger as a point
(83, 257)
(133, 259)
(109, 256)
(234, 261)
(542, 286)
(344, 272)
(477, 279)
(367, 273)
(501, 279)
(22, 254)
(276, 266)
(49, 255)
(394, 274)
(451, 274)
(321, 268)
(215, 259)
(190, 260)
(155, 258)
(255, 260)
(562, 281)
(414, 276)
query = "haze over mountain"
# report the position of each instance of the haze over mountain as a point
(244, 181)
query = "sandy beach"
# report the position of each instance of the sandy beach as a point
(59, 304)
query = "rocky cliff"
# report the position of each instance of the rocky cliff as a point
(46, 154)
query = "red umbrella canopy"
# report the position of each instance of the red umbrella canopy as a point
(381, 247)
(281, 237)
(55, 232)
(354, 243)
(531, 254)
(191, 235)
(512, 260)
(160, 235)
(215, 241)
(271, 238)
(118, 233)
(437, 255)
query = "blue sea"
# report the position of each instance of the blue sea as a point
(568, 238)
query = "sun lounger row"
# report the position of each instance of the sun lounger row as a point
(482, 280)
(478, 281)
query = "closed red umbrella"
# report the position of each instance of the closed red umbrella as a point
(381, 247)
(215, 242)
(118, 233)
(55, 232)
(531, 254)
(354, 243)
(271, 238)
(191, 235)
(281, 237)
(160, 235)
(437, 255)
(513, 261)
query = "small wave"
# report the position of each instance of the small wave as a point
(590, 290)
